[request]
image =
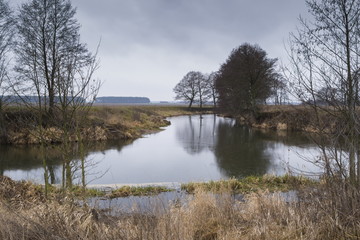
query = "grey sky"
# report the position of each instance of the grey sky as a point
(147, 46)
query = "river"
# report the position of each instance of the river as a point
(192, 148)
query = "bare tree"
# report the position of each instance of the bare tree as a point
(325, 57)
(202, 88)
(211, 88)
(188, 88)
(76, 92)
(55, 66)
(48, 40)
(6, 34)
(280, 91)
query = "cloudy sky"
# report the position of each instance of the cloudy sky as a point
(147, 46)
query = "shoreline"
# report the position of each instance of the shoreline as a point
(121, 122)
(124, 122)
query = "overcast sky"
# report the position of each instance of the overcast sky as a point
(147, 46)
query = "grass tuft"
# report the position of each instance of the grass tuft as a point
(137, 191)
(251, 184)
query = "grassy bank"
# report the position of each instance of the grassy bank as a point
(251, 184)
(321, 212)
(131, 122)
(292, 118)
(101, 123)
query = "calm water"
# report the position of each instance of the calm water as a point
(192, 148)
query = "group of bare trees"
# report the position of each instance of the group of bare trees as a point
(325, 63)
(53, 71)
(196, 87)
(50, 56)
(49, 61)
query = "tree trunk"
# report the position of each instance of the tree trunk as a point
(358, 167)
(190, 104)
(2, 123)
(68, 174)
(51, 102)
(350, 104)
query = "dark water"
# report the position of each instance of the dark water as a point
(193, 148)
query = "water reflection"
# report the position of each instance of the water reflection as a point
(197, 133)
(25, 162)
(27, 158)
(192, 148)
(240, 151)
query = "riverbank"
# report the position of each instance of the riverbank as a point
(291, 118)
(101, 123)
(131, 122)
(313, 214)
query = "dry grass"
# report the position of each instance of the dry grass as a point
(295, 118)
(133, 121)
(103, 123)
(20, 195)
(327, 212)
(252, 184)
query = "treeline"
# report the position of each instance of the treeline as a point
(100, 100)
(21, 100)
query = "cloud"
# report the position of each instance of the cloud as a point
(147, 46)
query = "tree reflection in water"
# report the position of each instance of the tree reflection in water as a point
(27, 158)
(197, 134)
(238, 150)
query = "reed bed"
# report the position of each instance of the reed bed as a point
(325, 212)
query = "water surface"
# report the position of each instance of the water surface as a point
(192, 148)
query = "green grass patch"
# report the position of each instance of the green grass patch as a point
(137, 191)
(87, 192)
(251, 184)
(75, 191)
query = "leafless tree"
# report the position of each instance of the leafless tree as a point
(202, 89)
(6, 35)
(280, 91)
(48, 41)
(324, 56)
(211, 88)
(77, 92)
(188, 88)
(55, 66)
